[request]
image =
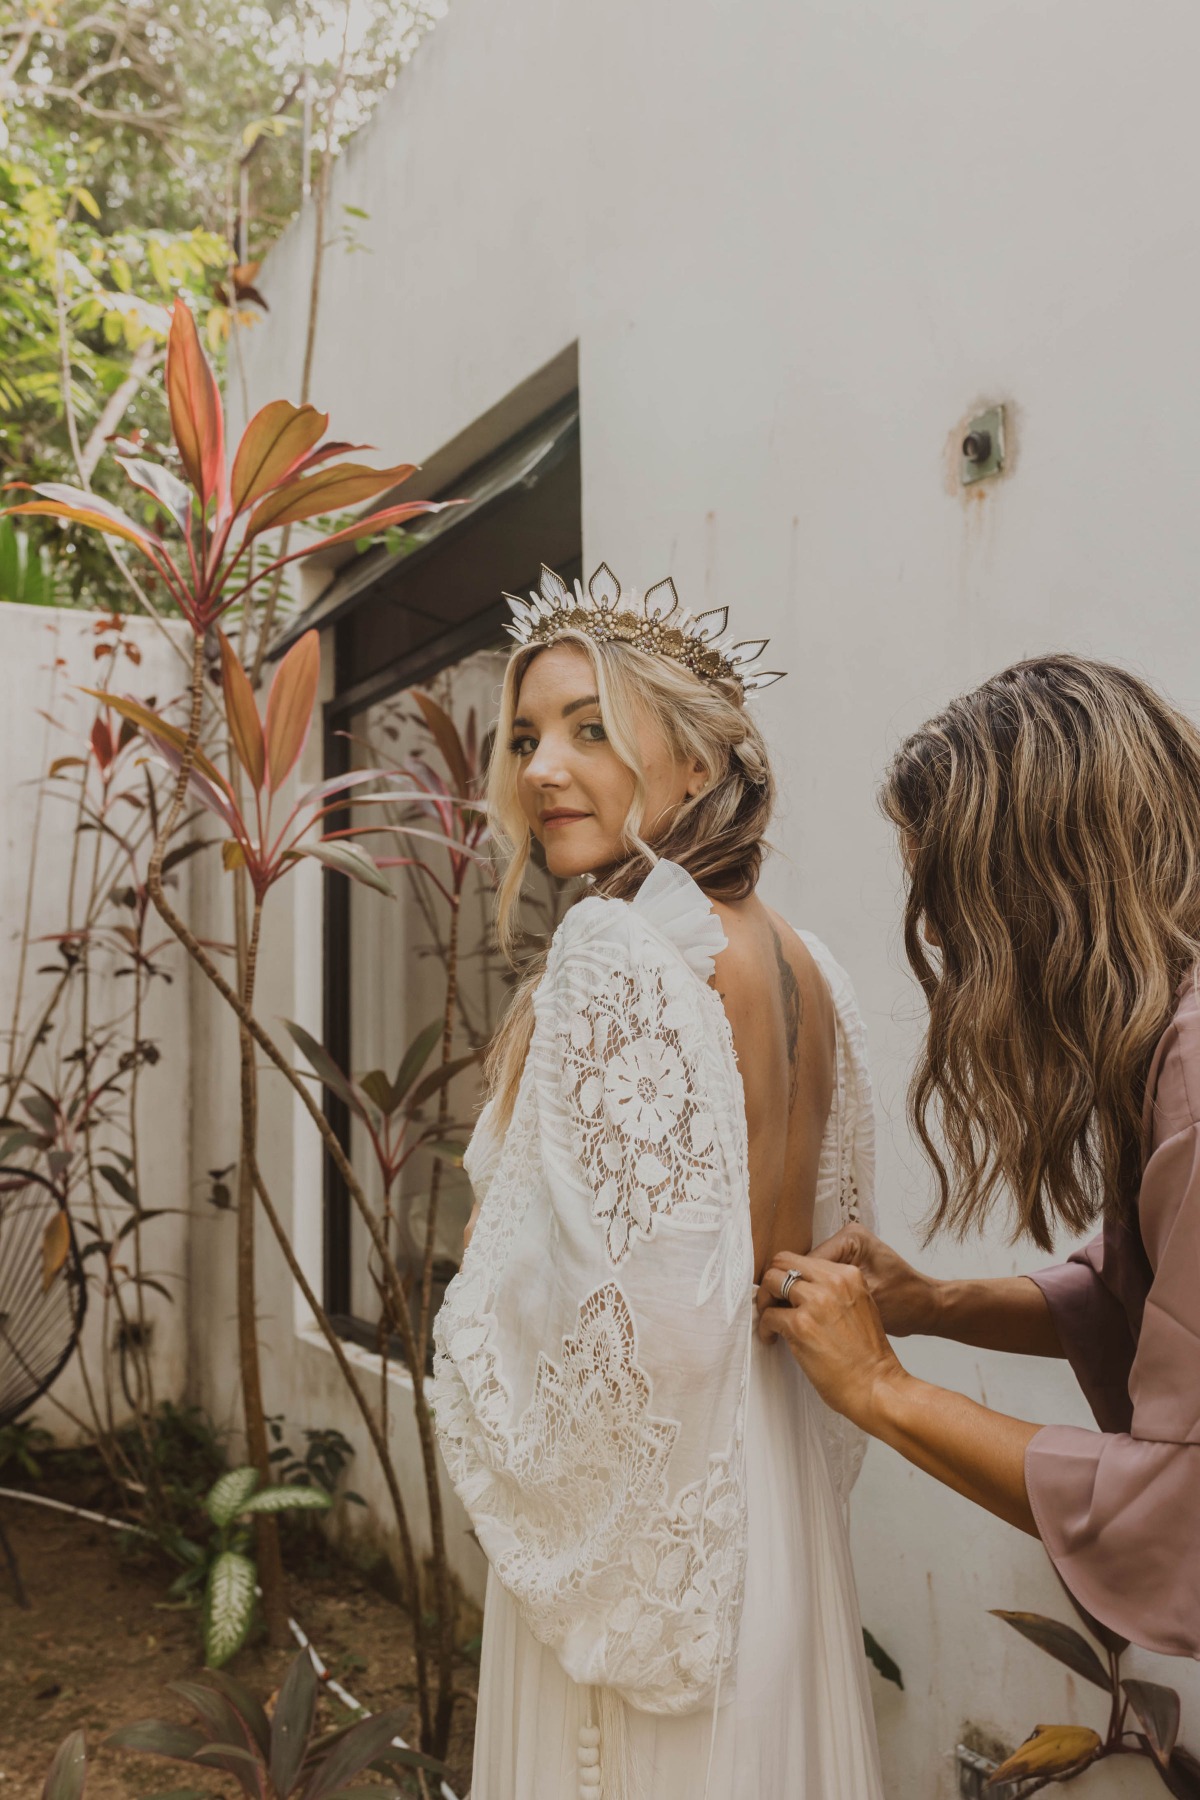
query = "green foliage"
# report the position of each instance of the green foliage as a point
(113, 288)
(285, 1755)
(128, 132)
(327, 1452)
(220, 1564)
(22, 1444)
(145, 105)
(26, 572)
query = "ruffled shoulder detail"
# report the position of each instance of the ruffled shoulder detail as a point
(671, 903)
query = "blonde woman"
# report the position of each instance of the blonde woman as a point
(678, 1091)
(1050, 824)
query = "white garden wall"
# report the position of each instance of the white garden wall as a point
(46, 655)
(797, 243)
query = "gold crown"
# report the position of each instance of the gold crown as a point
(654, 621)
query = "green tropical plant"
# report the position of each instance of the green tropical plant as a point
(22, 1441)
(1143, 1716)
(281, 1757)
(323, 1464)
(228, 1568)
(83, 321)
(26, 573)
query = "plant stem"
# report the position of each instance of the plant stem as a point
(435, 1179)
(424, 1422)
(266, 1528)
(378, 1438)
(147, 1361)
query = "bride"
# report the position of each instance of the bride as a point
(678, 1091)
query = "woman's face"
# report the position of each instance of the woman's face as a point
(574, 789)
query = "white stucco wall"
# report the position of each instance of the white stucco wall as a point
(797, 243)
(46, 655)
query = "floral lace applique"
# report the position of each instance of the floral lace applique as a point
(642, 1130)
(592, 1466)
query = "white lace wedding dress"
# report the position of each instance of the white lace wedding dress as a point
(670, 1609)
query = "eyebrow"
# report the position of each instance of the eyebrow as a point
(574, 707)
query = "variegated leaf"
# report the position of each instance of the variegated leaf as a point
(287, 1499)
(229, 1493)
(228, 1606)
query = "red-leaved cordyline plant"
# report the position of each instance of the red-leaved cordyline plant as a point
(454, 804)
(280, 477)
(387, 1107)
(268, 753)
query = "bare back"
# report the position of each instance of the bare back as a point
(784, 1032)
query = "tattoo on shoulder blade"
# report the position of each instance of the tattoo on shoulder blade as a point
(793, 1014)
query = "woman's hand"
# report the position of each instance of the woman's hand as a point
(1006, 1312)
(907, 1300)
(469, 1227)
(832, 1327)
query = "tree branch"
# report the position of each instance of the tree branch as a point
(146, 358)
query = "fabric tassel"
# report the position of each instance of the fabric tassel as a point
(604, 1754)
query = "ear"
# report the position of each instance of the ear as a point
(697, 779)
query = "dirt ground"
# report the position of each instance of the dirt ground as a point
(99, 1645)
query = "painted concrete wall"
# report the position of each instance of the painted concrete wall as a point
(46, 654)
(797, 243)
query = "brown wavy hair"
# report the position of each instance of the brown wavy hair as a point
(1051, 827)
(717, 836)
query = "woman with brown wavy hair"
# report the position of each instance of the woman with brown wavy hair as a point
(1050, 827)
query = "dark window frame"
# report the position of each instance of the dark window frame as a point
(547, 506)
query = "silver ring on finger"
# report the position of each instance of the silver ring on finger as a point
(789, 1281)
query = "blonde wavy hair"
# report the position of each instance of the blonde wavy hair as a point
(717, 836)
(1051, 826)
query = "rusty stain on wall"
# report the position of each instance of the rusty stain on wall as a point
(978, 492)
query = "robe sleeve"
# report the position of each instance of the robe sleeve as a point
(1093, 1329)
(1119, 1509)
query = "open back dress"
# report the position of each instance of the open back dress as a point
(671, 1609)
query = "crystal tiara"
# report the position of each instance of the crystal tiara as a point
(654, 621)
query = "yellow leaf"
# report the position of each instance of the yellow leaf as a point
(159, 267)
(1052, 1750)
(56, 1241)
(216, 327)
(232, 854)
(86, 201)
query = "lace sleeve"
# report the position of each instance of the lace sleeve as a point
(590, 1388)
(656, 1125)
